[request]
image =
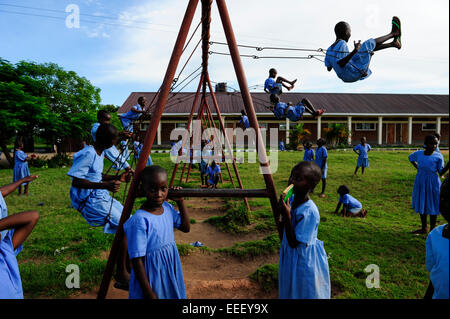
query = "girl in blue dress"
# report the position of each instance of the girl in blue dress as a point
(363, 158)
(213, 173)
(425, 196)
(14, 230)
(156, 267)
(351, 207)
(21, 169)
(437, 253)
(303, 267)
(89, 191)
(137, 151)
(309, 152)
(321, 161)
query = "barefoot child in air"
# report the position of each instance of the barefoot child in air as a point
(354, 66)
(437, 252)
(21, 169)
(321, 161)
(309, 152)
(14, 230)
(293, 113)
(89, 191)
(425, 196)
(274, 84)
(156, 268)
(303, 267)
(363, 158)
(351, 206)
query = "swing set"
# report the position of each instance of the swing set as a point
(160, 103)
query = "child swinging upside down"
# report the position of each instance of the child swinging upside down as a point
(274, 84)
(354, 66)
(293, 113)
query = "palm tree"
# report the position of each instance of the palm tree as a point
(298, 136)
(337, 134)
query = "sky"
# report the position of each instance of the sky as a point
(125, 46)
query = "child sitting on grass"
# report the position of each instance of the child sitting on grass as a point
(363, 158)
(351, 206)
(274, 84)
(309, 152)
(156, 268)
(303, 267)
(14, 230)
(213, 173)
(437, 256)
(354, 66)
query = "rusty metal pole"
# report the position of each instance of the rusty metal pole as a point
(191, 115)
(148, 143)
(248, 102)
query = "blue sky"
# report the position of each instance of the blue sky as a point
(127, 46)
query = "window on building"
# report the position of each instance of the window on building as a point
(283, 126)
(180, 125)
(365, 127)
(429, 127)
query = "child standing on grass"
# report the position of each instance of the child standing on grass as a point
(21, 169)
(425, 196)
(363, 158)
(309, 152)
(437, 253)
(156, 268)
(274, 84)
(244, 122)
(321, 161)
(138, 148)
(351, 206)
(14, 230)
(303, 267)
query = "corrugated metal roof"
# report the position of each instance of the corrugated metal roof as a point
(335, 103)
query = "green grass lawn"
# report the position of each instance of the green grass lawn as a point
(63, 237)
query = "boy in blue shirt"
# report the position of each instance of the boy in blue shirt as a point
(309, 152)
(274, 84)
(213, 173)
(244, 123)
(354, 66)
(132, 115)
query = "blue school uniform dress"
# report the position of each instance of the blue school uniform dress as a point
(211, 172)
(309, 155)
(119, 161)
(138, 148)
(303, 271)
(279, 110)
(353, 205)
(10, 282)
(245, 121)
(151, 236)
(437, 262)
(273, 87)
(321, 156)
(425, 196)
(295, 113)
(282, 147)
(353, 71)
(95, 205)
(363, 157)
(128, 118)
(3, 213)
(21, 169)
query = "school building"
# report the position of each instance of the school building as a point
(385, 119)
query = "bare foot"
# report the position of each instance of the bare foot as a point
(420, 231)
(322, 195)
(397, 44)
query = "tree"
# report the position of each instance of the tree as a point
(337, 134)
(298, 135)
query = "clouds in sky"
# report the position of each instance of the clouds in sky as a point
(140, 56)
